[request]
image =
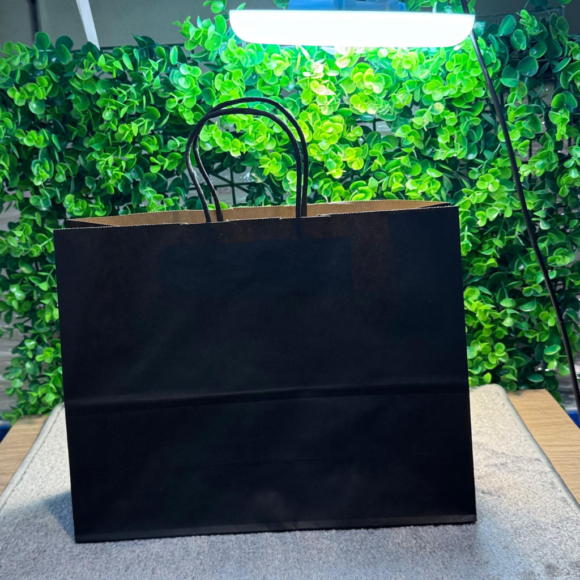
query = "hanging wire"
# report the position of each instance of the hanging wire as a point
(526, 213)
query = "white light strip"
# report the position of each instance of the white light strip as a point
(88, 22)
(366, 29)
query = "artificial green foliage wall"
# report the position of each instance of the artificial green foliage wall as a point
(88, 134)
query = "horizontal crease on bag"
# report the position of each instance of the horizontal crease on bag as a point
(301, 154)
(447, 386)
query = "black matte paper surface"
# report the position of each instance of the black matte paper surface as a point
(265, 374)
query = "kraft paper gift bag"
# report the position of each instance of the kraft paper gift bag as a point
(287, 368)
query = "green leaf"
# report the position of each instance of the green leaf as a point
(510, 77)
(552, 350)
(519, 41)
(565, 99)
(528, 66)
(127, 61)
(507, 26)
(218, 6)
(554, 48)
(539, 49)
(213, 43)
(561, 65)
(37, 107)
(521, 91)
(471, 293)
(174, 55)
(152, 113)
(558, 101)
(41, 61)
(42, 40)
(65, 41)
(535, 378)
(220, 24)
(562, 25)
(571, 100)
(63, 54)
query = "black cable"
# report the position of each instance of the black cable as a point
(194, 138)
(526, 213)
(34, 16)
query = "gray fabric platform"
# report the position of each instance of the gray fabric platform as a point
(528, 528)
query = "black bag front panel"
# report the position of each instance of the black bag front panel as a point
(275, 464)
(216, 336)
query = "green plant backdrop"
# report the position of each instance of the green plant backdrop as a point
(90, 133)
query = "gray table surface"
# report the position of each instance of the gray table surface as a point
(528, 526)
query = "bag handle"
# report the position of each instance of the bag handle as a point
(293, 122)
(221, 110)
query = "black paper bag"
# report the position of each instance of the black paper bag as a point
(265, 373)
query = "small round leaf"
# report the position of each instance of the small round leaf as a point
(528, 66)
(507, 26)
(64, 41)
(37, 107)
(539, 49)
(63, 54)
(42, 40)
(519, 40)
